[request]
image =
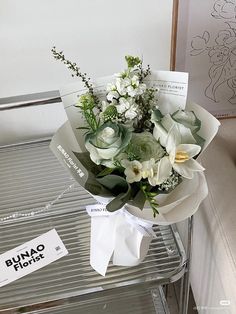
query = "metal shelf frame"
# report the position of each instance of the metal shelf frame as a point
(31, 177)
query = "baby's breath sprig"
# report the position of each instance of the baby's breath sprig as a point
(150, 197)
(75, 71)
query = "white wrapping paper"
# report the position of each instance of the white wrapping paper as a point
(119, 236)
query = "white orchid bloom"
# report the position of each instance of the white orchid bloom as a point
(161, 171)
(148, 168)
(181, 155)
(133, 170)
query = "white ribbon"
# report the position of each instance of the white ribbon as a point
(119, 235)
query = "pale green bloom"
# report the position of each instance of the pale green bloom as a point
(146, 147)
(107, 142)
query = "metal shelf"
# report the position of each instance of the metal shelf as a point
(30, 178)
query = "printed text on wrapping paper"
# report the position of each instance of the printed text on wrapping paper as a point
(69, 160)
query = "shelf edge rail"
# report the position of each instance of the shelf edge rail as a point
(29, 100)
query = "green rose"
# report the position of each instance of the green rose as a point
(145, 146)
(107, 142)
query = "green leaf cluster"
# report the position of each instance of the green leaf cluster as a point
(87, 104)
(150, 197)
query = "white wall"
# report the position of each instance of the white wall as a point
(96, 34)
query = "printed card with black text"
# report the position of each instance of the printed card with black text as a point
(31, 256)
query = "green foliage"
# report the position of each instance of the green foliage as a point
(150, 197)
(105, 172)
(110, 113)
(87, 104)
(132, 61)
(119, 187)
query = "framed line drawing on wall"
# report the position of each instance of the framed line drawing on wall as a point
(206, 48)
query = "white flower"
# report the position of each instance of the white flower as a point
(123, 105)
(121, 85)
(131, 113)
(112, 94)
(105, 104)
(161, 171)
(135, 88)
(148, 168)
(133, 170)
(181, 155)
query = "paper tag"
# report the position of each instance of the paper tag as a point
(97, 210)
(31, 256)
(173, 88)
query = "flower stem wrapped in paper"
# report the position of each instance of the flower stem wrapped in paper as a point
(132, 142)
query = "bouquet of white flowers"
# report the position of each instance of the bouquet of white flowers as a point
(132, 143)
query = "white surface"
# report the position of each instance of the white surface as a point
(195, 17)
(95, 34)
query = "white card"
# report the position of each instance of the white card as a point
(31, 256)
(173, 88)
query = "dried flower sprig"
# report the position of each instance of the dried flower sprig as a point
(58, 55)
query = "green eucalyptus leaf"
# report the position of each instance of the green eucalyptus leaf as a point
(156, 115)
(119, 187)
(105, 172)
(85, 160)
(114, 183)
(138, 200)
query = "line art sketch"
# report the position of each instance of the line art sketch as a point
(221, 51)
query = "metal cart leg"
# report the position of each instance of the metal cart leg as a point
(185, 283)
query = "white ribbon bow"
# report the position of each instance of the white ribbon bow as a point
(119, 235)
